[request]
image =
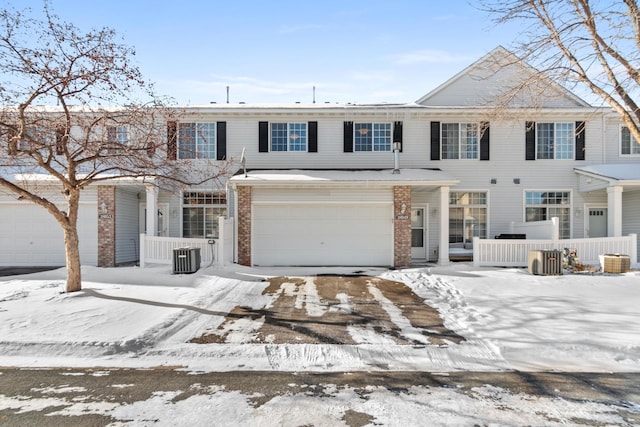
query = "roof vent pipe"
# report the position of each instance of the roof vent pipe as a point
(396, 157)
(227, 94)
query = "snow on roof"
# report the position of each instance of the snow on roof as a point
(405, 176)
(614, 172)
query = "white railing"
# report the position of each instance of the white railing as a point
(159, 250)
(515, 253)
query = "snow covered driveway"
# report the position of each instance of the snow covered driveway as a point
(436, 319)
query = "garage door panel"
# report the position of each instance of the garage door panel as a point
(315, 235)
(32, 237)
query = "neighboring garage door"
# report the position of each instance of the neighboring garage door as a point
(302, 234)
(31, 237)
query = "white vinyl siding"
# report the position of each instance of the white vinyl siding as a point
(127, 231)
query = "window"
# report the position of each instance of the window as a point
(288, 137)
(200, 213)
(372, 136)
(467, 216)
(118, 135)
(628, 144)
(196, 140)
(460, 140)
(555, 140)
(542, 206)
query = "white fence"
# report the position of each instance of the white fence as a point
(515, 253)
(549, 229)
(159, 250)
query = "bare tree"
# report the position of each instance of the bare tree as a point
(581, 42)
(58, 88)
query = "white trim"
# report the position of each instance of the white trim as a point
(620, 155)
(425, 231)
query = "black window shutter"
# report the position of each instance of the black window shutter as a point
(313, 137)
(580, 147)
(172, 143)
(61, 139)
(348, 137)
(221, 141)
(484, 141)
(397, 133)
(530, 141)
(263, 137)
(435, 140)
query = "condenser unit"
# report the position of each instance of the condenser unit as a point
(545, 262)
(186, 260)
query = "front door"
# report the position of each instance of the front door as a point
(162, 220)
(597, 222)
(418, 233)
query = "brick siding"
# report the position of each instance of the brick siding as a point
(106, 226)
(402, 226)
(244, 225)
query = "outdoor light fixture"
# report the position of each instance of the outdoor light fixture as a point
(516, 180)
(494, 181)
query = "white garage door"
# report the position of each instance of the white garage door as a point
(31, 237)
(316, 235)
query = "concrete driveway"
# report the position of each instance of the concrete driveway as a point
(335, 310)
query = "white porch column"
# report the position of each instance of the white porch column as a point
(443, 252)
(152, 210)
(614, 202)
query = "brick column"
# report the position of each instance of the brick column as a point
(402, 226)
(244, 225)
(106, 226)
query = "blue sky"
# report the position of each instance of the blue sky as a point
(276, 51)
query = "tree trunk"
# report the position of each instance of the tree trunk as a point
(72, 253)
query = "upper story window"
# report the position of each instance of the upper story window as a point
(118, 135)
(372, 136)
(460, 140)
(544, 205)
(196, 140)
(288, 137)
(555, 140)
(628, 144)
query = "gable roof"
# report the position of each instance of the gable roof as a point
(498, 78)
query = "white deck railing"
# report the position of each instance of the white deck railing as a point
(159, 250)
(515, 253)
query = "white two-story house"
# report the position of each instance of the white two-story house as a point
(371, 185)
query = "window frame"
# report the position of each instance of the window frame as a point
(199, 149)
(632, 143)
(293, 132)
(118, 135)
(459, 141)
(210, 202)
(557, 147)
(566, 228)
(375, 142)
(474, 204)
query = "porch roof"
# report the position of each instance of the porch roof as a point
(410, 177)
(626, 174)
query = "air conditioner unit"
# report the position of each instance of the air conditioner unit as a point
(545, 262)
(186, 260)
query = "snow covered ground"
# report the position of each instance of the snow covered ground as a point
(132, 317)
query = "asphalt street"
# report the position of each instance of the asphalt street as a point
(106, 385)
